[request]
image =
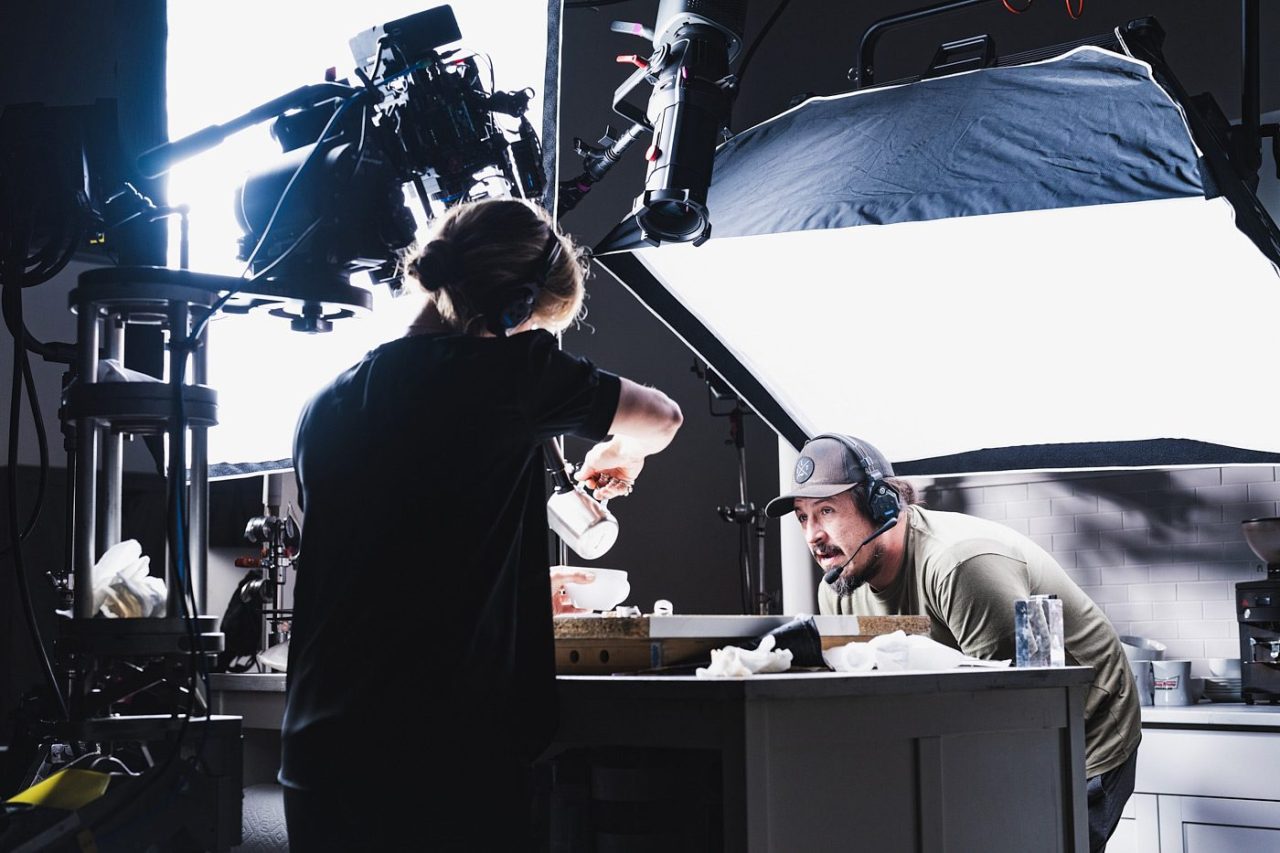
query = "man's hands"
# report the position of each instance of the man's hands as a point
(611, 468)
(560, 601)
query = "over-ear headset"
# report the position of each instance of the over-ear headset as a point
(881, 501)
(509, 306)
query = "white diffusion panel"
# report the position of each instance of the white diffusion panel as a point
(1116, 322)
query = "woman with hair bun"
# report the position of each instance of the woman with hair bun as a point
(421, 666)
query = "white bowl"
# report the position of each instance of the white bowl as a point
(607, 591)
(1224, 667)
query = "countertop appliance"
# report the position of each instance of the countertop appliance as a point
(1258, 612)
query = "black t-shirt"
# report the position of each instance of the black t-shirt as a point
(422, 617)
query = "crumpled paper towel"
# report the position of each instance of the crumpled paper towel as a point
(735, 662)
(113, 370)
(123, 586)
(898, 652)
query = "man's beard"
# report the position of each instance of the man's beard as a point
(847, 584)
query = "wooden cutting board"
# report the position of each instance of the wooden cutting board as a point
(598, 645)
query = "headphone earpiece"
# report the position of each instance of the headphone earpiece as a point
(513, 305)
(880, 500)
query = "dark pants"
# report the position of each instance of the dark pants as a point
(1106, 794)
(480, 804)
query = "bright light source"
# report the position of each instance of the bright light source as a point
(223, 60)
(1112, 322)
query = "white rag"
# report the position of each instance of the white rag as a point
(735, 662)
(898, 652)
(123, 586)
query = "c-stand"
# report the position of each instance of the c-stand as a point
(749, 518)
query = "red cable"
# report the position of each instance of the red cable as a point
(1005, 3)
(1079, 10)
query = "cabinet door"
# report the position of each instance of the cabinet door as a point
(1139, 828)
(1216, 825)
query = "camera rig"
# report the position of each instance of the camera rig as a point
(334, 203)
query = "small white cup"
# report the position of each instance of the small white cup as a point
(1224, 667)
(1171, 682)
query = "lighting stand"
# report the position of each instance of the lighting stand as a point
(749, 518)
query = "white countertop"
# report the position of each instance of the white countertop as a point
(1213, 714)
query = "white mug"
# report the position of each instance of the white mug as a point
(1171, 684)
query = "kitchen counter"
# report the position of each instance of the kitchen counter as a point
(908, 758)
(1215, 715)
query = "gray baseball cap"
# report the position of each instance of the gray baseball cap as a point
(829, 464)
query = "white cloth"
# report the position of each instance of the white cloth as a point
(735, 662)
(123, 586)
(113, 370)
(898, 652)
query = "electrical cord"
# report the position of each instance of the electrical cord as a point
(191, 341)
(750, 52)
(43, 442)
(13, 307)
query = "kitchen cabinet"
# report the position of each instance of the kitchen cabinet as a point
(1218, 825)
(960, 760)
(1204, 783)
(917, 762)
(1139, 829)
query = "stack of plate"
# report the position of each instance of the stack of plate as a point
(1222, 689)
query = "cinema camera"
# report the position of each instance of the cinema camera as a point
(334, 203)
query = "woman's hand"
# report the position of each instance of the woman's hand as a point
(611, 468)
(560, 600)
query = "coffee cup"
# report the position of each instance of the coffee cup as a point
(1171, 682)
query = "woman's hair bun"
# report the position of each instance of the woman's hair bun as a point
(438, 265)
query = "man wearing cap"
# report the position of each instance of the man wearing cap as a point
(884, 554)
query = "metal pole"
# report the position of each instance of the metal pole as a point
(112, 447)
(198, 494)
(744, 520)
(86, 464)
(179, 323)
(1249, 85)
(761, 590)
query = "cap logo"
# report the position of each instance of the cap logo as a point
(804, 469)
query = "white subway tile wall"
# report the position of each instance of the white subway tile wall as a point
(1160, 551)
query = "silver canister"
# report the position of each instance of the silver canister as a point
(584, 523)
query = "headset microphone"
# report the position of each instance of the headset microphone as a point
(832, 575)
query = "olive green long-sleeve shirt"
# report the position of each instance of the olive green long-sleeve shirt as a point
(964, 573)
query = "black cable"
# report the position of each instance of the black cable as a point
(12, 297)
(751, 49)
(43, 442)
(191, 340)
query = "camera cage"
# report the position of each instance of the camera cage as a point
(334, 203)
